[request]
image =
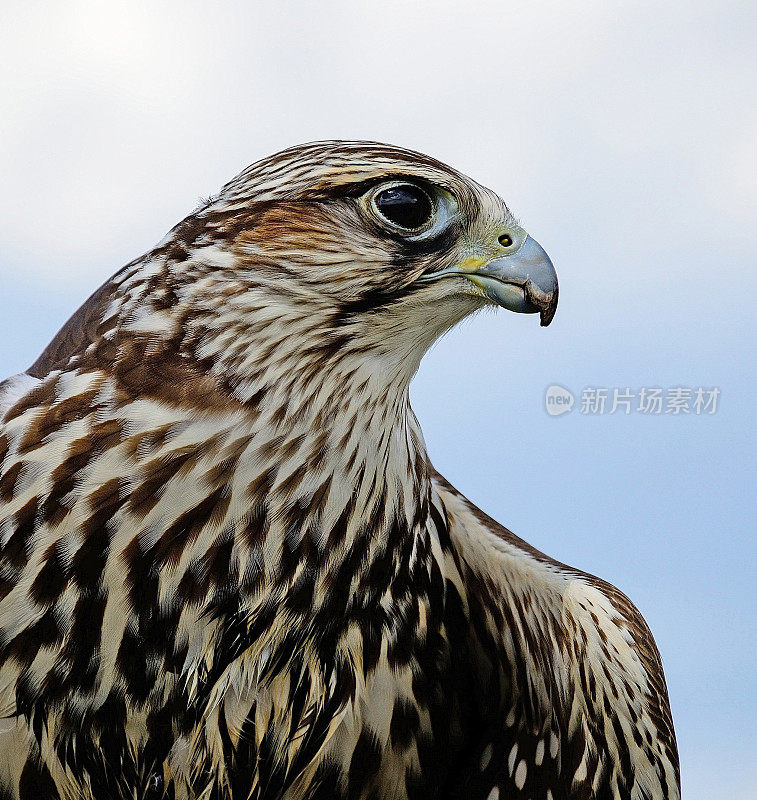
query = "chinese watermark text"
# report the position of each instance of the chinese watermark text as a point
(598, 401)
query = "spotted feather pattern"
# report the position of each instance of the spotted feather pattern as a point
(227, 567)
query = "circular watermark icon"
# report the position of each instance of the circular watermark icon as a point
(558, 400)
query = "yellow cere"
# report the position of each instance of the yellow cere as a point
(472, 263)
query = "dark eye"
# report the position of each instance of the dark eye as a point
(406, 206)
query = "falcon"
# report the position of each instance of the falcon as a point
(228, 569)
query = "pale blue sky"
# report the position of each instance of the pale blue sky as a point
(621, 134)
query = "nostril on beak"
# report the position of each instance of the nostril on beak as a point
(505, 239)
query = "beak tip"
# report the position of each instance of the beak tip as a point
(547, 313)
(546, 316)
(544, 302)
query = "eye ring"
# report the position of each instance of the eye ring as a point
(445, 210)
(403, 206)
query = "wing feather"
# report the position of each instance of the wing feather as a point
(585, 710)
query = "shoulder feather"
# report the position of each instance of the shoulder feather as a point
(588, 658)
(14, 388)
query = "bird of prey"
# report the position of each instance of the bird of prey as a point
(228, 570)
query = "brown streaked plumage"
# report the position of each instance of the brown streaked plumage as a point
(228, 569)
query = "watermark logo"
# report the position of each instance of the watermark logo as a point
(558, 400)
(652, 400)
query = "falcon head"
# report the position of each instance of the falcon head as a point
(327, 250)
(373, 226)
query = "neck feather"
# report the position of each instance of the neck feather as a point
(321, 427)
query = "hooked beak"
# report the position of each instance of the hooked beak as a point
(524, 281)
